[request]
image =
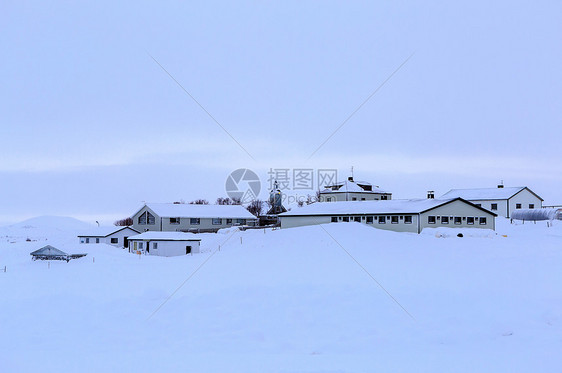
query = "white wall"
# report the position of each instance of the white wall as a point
(165, 248)
(457, 209)
(525, 198)
(119, 235)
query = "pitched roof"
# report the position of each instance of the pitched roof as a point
(48, 250)
(396, 206)
(165, 236)
(172, 210)
(349, 186)
(480, 194)
(104, 231)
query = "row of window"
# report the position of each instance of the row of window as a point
(494, 206)
(394, 219)
(113, 240)
(147, 218)
(333, 199)
(457, 220)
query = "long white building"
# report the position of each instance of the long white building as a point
(501, 200)
(396, 215)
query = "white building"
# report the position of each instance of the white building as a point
(501, 200)
(350, 190)
(396, 215)
(117, 236)
(165, 243)
(172, 217)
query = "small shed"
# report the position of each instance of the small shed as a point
(165, 243)
(52, 253)
(116, 236)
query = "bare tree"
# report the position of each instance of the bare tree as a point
(300, 203)
(255, 207)
(124, 222)
(318, 196)
(199, 202)
(180, 202)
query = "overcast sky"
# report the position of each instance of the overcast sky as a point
(92, 126)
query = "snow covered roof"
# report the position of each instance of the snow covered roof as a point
(48, 250)
(480, 194)
(165, 236)
(172, 210)
(396, 206)
(350, 186)
(104, 231)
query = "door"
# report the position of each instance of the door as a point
(187, 250)
(125, 242)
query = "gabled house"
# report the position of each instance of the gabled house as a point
(501, 200)
(396, 215)
(165, 243)
(351, 190)
(117, 236)
(174, 217)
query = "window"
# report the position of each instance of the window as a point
(241, 221)
(146, 218)
(479, 204)
(357, 219)
(407, 219)
(394, 220)
(353, 199)
(384, 198)
(115, 240)
(141, 245)
(444, 220)
(382, 219)
(431, 219)
(328, 199)
(217, 221)
(458, 220)
(483, 221)
(87, 240)
(531, 205)
(155, 245)
(470, 220)
(174, 220)
(362, 199)
(369, 220)
(228, 221)
(194, 221)
(346, 218)
(334, 219)
(494, 206)
(517, 205)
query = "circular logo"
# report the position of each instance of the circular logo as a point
(243, 185)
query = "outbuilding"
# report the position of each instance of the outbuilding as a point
(117, 236)
(165, 243)
(501, 200)
(396, 215)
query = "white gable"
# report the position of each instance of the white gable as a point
(481, 194)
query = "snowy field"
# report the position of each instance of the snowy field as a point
(286, 301)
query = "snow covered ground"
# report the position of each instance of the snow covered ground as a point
(297, 300)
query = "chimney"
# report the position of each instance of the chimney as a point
(500, 185)
(430, 194)
(350, 178)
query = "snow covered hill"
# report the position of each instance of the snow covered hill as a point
(331, 298)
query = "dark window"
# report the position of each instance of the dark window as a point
(494, 206)
(146, 218)
(155, 245)
(140, 245)
(217, 221)
(357, 219)
(362, 199)
(470, 220)
(407, 219)
(517, 205)
(431, 219)
(241, 221)
(97, 240)
(334, 219)
(479, 204)
(444, 220)
(328, 199)
(382, 219)
(482, 221)
(346, 218)
(384, 198)
(369, 220)
(87, 240)
(174, 220)
(115, 240)
(458, 220)
(394, 219)
(353, 199)
(194, 221)
(228, 221)
(531, 205)
(142, 219)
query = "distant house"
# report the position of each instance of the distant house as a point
(501, 200)
(396, 215)
(117, 236)
(172, 217)
(350, 190)
(52, 253)
(165, 243)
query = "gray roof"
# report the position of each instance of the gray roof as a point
(482, 194)
(104, 231)
(48, 250)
